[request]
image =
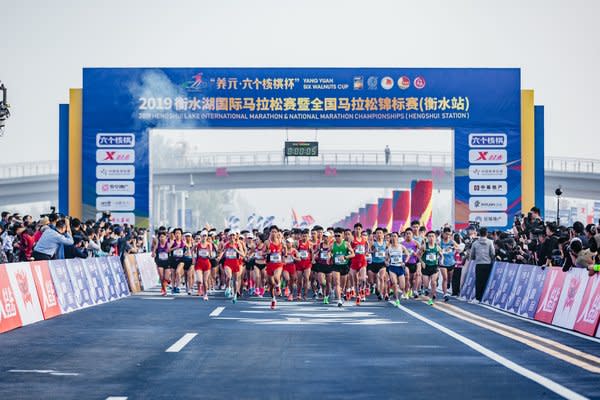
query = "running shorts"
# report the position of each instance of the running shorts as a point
(428, 271)
(233, 264)
(272, 267)
(375, 267)
(412, 267)
(161, 263)
(303, 265)
(260, 266)
(342, 269)
(175, 261)
(290, 268)
(394, 269)
(213, 263)
(250, 264)
(187, 262)
(448, 267)
(202, 264)
(358, 261)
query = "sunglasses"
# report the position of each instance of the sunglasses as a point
(338, 235)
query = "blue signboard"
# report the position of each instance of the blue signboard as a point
(482, 105)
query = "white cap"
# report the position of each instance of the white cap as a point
(204, 233)
(327, 233)
(289, 240)
(249, 236)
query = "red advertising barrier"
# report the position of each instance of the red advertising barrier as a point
(45, 289)
(588, 315)
(9, 313)
(28, 290)
(570, 298)
(550, 295)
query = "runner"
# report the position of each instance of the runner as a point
(291, 257)
(346, 281)
(214, 264)
(161, 257)
(275, 263)
(259, 266)
(431, 253)
(359, 263)
(250, 277)
(188, 261)
(413, 266)
(395, 266)
(376, 270)
(322, 264)
(341, 253)
(448, 260)
(231, 253)
(176, 250)
(204, 250)
(304, 265)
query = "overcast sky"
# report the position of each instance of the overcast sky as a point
(45, 44)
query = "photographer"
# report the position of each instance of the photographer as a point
(548, 245)
(52, 240)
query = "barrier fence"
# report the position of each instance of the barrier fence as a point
(40, 290)
(569, 300)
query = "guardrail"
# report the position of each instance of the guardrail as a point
(273, 158)
(25, 169)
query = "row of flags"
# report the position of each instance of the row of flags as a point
(303, 221)
(260, 222)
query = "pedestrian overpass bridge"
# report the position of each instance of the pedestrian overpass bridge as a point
(38, 181)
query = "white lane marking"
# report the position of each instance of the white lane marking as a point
(527, 373)
(43, 371)
(533, 321)
(116, 398)
(156, 298)
(216, 312)
(180, 344)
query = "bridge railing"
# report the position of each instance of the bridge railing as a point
(239, 159)
(28, 169)
(574, 165)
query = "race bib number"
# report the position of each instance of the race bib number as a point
(339, 259)
(275, 257)
(369, 258)
(203, 253)
(163, 256)
(289, 260)
(448, 250)
(231, 254)
(380, 254)
(431, 257)
(360, 249)
(178, 252)
(258, 255)
(396, 260)
(324, 255)
(303, 254)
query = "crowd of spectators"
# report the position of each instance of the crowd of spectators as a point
(55, 236)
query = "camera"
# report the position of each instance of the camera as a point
(558, 192)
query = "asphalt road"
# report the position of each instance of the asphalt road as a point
(299, 351)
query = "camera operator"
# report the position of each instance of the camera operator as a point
(52, 240)
(548, 240)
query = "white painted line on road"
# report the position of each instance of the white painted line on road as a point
(116, 398)
(216, 312)
(180, 344)
(527, 373)
(43, 371)
(157, 298)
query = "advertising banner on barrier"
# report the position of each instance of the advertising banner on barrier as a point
(120, 280)
(518, 293)
(110, 285)
(147, 270)
(45, 289)
(589, 312)
(79, 280)
(571, 298)
(494, 282)
(505, 287)
(467, 290)
(9, 313)
(23, 286)
(94, 276)
(533, 293)
(551, 291)
(63, 286)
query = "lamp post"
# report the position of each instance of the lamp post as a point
(558, 193)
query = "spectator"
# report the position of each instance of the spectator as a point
(483, 253)
(388, 154)
(52, 240)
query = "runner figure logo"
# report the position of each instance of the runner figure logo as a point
(24, 287)
(572, 291)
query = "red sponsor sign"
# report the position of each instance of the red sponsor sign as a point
(45, 289)
(589, 311)
(9, 313)
(550, 295)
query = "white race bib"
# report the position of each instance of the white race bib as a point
(303, 254)
(203, 253)
(178, 252)
(369, 258)
(163, 256)
(339, 259)
(380, 254)
(360, 249)
(431, 257)
(258, 255)
(396, 260)
(231, 254)
(275, 257)
(324, 255)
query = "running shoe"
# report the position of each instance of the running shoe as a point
(415, 295)
(163, 292)
(234, 299)
(358, 300)
(325, 299)
(368, 292)
(397, 303)
(446, 298)
(410, 293)
(404, 296)
(290, 298)
(286, 292)
(205, 297)
(340, 303)
(273, 303)
(430, 302)
(379, 297)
